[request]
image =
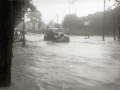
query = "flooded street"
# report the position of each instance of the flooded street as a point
(44, 47)
(81, 64)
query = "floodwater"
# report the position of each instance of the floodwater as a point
(81, 64)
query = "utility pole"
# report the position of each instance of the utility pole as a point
(43, 24)
(57, 20)
(69, 6)
(88, 31)
(23, 44)
(74, 7)
(104, 21)
(85, 25)
(114, 26)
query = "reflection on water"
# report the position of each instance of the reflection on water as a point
(77, 64)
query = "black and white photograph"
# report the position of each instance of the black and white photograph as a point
(59, 44)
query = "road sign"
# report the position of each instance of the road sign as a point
(86, 23)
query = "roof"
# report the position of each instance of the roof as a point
(54, 28)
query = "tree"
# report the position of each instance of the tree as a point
(39, 24)
(117, 16)
(56, 25)
(34, 17)
(11, 14)
(70, 21)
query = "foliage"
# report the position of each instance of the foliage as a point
(70, 21)
(117, 12)
(96, 22)
(35, 16)
(56, 25)
(20, 7)
(11, 13)
(39, 25)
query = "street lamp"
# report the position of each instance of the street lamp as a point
(74, 7)
(69, 6)
(24, 10)
(104, 21)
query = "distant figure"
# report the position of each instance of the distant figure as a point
(50, 34)
(21, 34)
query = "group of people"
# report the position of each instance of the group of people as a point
(54, 35)
(18, 34)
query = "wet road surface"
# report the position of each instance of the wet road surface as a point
(81, 64)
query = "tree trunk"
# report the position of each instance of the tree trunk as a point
(118, 29)
(6, 39)
(32, 21)
(23, 44)
(118, 32)
(34, 24)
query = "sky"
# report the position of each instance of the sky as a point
(51, 8)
